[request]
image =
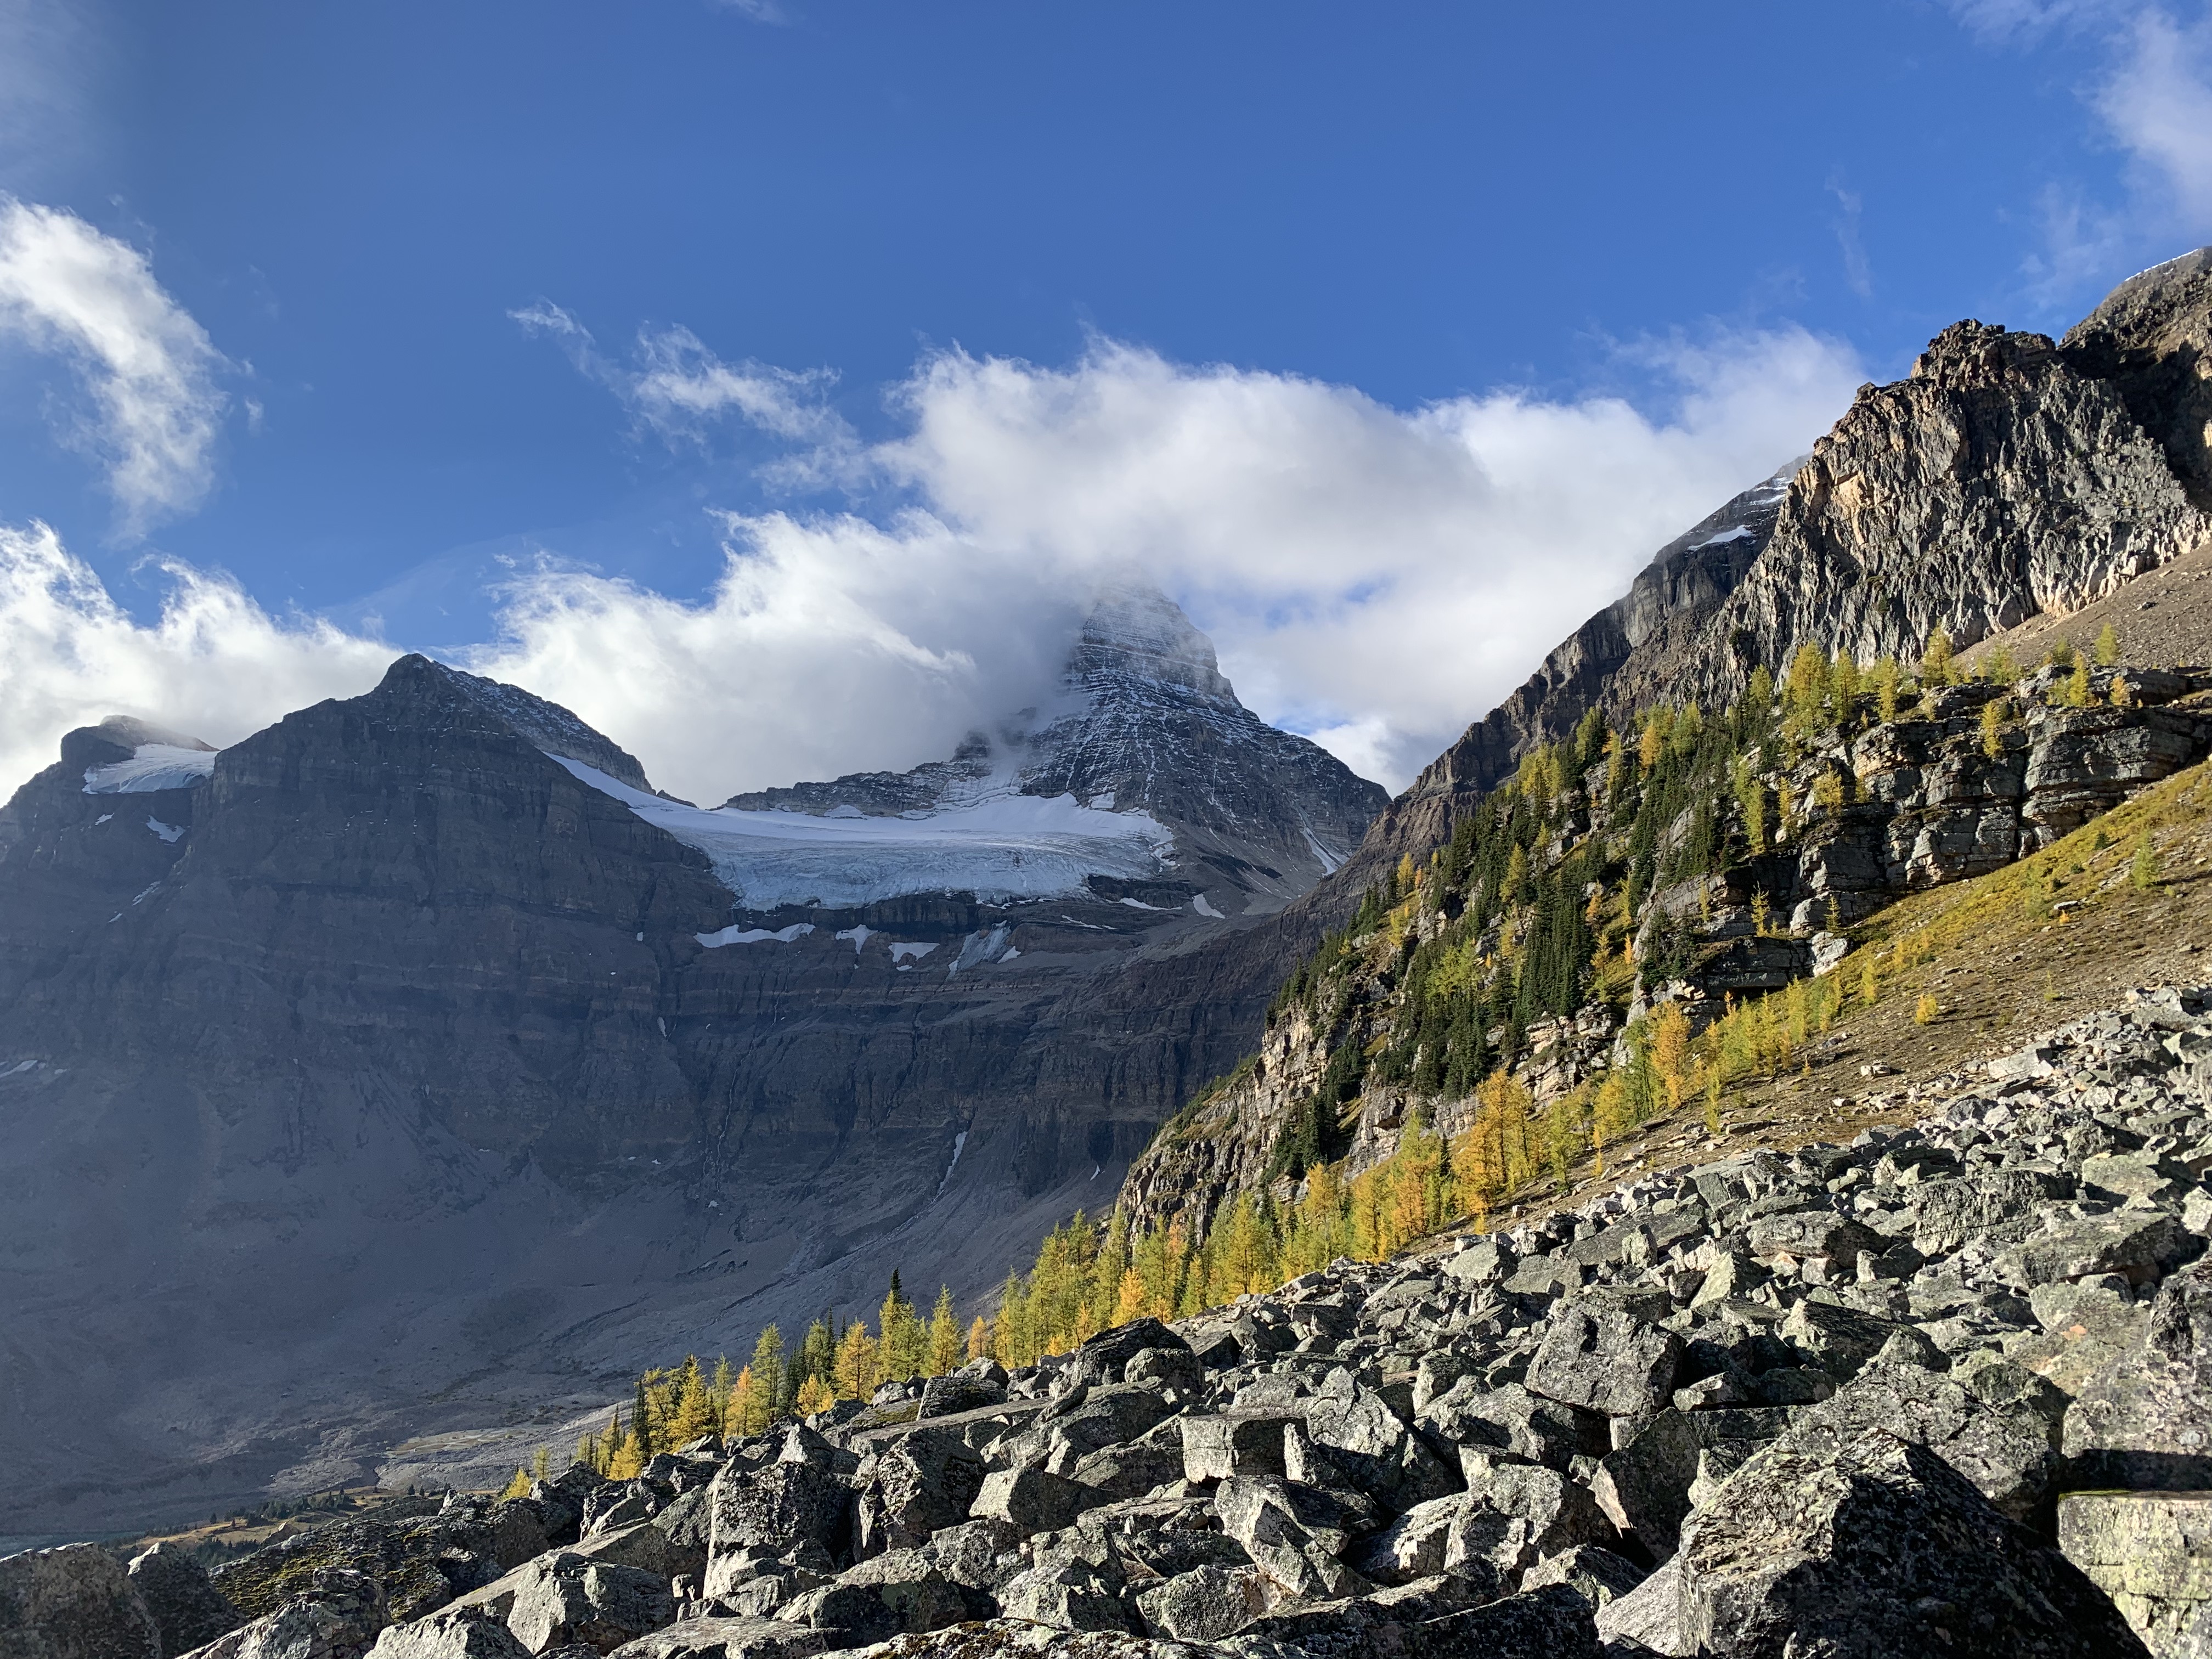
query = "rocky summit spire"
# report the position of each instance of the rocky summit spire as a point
(1134, 631)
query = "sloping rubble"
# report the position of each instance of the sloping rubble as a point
(1837, 1400)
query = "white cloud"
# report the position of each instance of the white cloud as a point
(215, 664)
(147, 368)
(2146, 76)
(828, 646)
(1377, 577)
(679, 391)
(2158, 103)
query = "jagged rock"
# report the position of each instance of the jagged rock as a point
(779, 1504)
(1361, 1436)
(2138, 1244)
(74, 1602)
(2145, 1422)
(1292, 1534)
(1838, 1340)
(338, 1616)
(480, 1636)
(1230, 1444)
(1606, 1361)
(729, 1639)
(941, 1396)
(1595, 1574)
(1644, 1488)
(1028, 1498)
(922, 1482)
(1649, 1617)
(997, 1637)
(1204, 1604)
(188, 1610)
(1876, 1546)
(565, 1598)
(1105, 1357)
(1552, 1623)
(1515, 1514)
(2150, 1552)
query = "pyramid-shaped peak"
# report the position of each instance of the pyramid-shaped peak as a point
(1134, 630)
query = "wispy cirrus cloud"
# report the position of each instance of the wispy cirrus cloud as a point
(149, 405)
(2145, 74)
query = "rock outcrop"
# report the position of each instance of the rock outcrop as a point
(1902, 1460)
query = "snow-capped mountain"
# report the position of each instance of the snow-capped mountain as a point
(382, 1048)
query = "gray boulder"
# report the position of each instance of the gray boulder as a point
(188, 1610)
(921, 1482)
(338, 1613)
(2150, 1552)
(74, 1602)
(1515, 1514)
(1877, 1548)
(779, 1504)
(1029, 1499)
(1505, 1420)
(1644, 1488)
(1996, 1425)
(450, 1635)
(567, 1598)
(1594, 1573)
(729, 1639)
(2145, 1422)
(1204, 1604)
(1606, 1361)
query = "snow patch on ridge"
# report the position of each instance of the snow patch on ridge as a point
(999, 846)
(715, 941)
(152, 766)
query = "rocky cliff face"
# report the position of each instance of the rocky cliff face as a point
(344, 1069)
(2005, 476)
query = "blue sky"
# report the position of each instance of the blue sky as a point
(919, 253)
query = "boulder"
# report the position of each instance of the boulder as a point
(187, 1609)
(1648, 1619)
(920, 1483)
(941, 1396)
(914, 1590)
(1643, 1487)
(567, 1599)
(781, 1504)
(1876, 1546)
(1606, 1361)
(1514, 1514)
(1292, 1533)
(1597, 1574)
(449, 1636)
(1508, 1420)
(1029, 1499)
(1370, 1445)
(2145, 1422)
(1948, 1212)
(1835, 1340)
(74, 1602)
(2138, 1244)
(1997, 1426)
(1105, 1357)
(727, 1638)
(1204, 1604)
(1234, 1445)
(1069, 1596)
(1812, 1235)
(337, 1613)
(2151, 1551)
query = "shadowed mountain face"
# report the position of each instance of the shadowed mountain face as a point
(412, 1061)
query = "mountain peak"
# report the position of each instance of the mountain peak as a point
(1134, 630)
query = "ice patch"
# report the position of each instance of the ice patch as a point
(1330, 863)
(1000, 847)
(860, 935)
(1012, 951)
(152, 766)
(23, 1066)
(753, 935)
(980, 949)
(150, 892)
(1139, 904)
(902, 951)
(101, 819)
(1203, 909)
(1740, 533)
(172, 833)
(959, 1140)
(1103, 803)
